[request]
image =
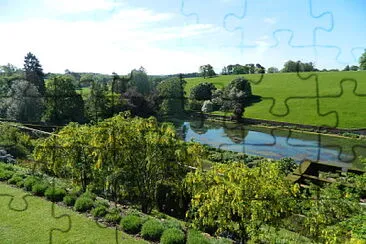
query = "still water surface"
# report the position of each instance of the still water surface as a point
(275, 143)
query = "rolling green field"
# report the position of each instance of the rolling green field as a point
(287, 97)
(33, 225)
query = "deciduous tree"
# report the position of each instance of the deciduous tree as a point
(63, 104)
(202, 91)
(363, 61)
(23, 102)
(233, 198)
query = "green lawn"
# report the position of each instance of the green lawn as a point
(33, 225)
(84, 92)
(287, 97)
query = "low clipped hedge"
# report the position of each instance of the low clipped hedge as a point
(101, 202)
(152, 230)
(17, 180)
(169, 224)
(5, 174)
(194, 237)
(89, 194)
(131, 224)
(83, 204)
(55, 194)
(172, 236)
(30, 181)
(99, 211)
(39, 188)
(114, 216)
(70, 199)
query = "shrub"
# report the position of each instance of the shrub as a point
(195, 236)
(89, 194)
(169, 224)
(6, 166)
(101, 203)
(30, 181)
(20, 183)
(99, 211)
(131, 224)
(55, 194)
(70, 199)
(15, 179)
(5, 174)
(83, 204)
(172, 236)
(113, 216)
(152, 230)
(39, 188)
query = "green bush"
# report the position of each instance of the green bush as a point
(172, 236)
(89, 194)
(114, 216)
(194, 236)
(15, 180)
(99, 211)
(6, 166)
(55, 194)
(131, 224)
(39, 188)
(30, 181)
(83, 204)
(152, 230)
(70, 199)
(101, 203)
(169, 224)
(5, 174)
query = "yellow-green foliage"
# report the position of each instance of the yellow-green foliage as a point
(135, 153)
(236, 198)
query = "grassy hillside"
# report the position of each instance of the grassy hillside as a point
(290, 98)
(34, 223)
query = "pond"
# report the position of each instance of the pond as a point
(275, 143)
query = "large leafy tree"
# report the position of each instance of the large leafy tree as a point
(207, 71)
(68, 154)
(202, 91)
(141, 81)
(34, 72)
(63, 104)
(272, 70)
(363, 61)
(171, 93)
(139, 104)
(23, 102)
(97, 104)
(138, 155)
(233, 198)
(125, 155)
(292, 66)
(235, 95)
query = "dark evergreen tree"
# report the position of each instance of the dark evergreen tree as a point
(34, 72)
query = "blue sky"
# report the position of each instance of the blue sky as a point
(178, 36)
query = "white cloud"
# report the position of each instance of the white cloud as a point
(79, 6)
(270, 21)
(262, 47)
(125, 41)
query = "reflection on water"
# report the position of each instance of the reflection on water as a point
(272, 143)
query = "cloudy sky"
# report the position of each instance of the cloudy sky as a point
(177, 36)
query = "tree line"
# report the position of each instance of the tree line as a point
(207, 71)
(29, 95)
